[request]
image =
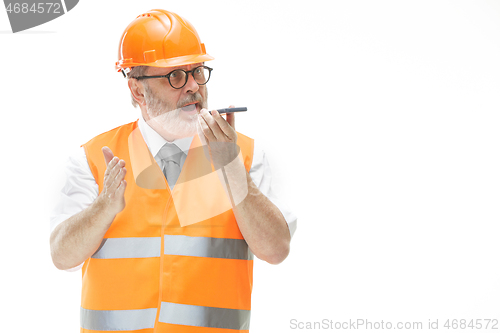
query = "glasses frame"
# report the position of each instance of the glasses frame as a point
(187, 76)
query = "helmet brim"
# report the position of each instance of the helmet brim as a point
(172, 62)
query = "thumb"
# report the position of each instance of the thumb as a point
(108, 154)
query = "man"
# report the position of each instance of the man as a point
(165, 214)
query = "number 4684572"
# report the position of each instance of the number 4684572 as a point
(37, 8)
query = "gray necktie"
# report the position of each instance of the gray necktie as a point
(170, 155)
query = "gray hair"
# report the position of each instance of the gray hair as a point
(136, 72)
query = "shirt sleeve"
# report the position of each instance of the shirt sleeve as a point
(78, 192)
(260, 172)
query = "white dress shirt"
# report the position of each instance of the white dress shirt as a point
(81, 189)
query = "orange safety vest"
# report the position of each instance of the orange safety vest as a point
(171, 261)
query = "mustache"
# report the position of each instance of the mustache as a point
(196, 97)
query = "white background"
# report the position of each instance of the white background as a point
(381, 122)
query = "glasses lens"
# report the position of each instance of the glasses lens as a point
(201, 75)
(177, 78)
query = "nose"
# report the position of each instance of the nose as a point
(191, 85)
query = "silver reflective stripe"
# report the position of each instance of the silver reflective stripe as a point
(117, 320)
(129, 247)
(204, 316)
(226, 248)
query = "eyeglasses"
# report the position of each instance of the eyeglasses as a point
(179, 77)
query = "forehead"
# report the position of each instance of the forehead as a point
(166, 70)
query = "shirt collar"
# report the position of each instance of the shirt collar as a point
(155, 141)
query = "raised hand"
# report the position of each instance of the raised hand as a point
(219, 135)
(112, 194)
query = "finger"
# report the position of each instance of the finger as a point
(120, 191)
(120, 176)
(207, 130)
(201, 135)
(225, 127)
(108, 154)
(110, 166)
(212, 124)
(114, 167)
(113, 172)
(215, 124)
(230, 118)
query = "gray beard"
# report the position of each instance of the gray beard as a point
(165, 117)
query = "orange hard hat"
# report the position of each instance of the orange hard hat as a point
(160, 38)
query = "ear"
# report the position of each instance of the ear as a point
(137, 90)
